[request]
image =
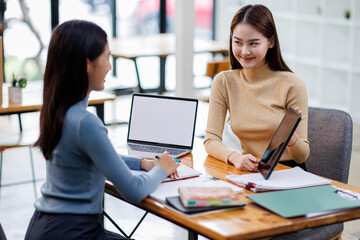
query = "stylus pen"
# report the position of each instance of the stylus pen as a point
(176, 160)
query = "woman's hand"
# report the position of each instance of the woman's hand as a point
(243, 162)
(166, 162)
(295, 136)
(175, 175)
(147, 164)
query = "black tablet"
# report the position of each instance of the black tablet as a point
(279, 142)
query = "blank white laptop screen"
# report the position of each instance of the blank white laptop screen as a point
(162, 120)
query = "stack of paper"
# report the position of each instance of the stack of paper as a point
(279, 180)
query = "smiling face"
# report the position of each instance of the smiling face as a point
(98, 69)
(249, 46)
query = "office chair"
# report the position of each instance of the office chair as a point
(16, 140)
(330, 137)
(2, 234)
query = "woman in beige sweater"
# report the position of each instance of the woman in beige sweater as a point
(256, 92)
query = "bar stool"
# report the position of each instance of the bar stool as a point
(17, 140)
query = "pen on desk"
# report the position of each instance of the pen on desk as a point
(215, 178)
(176, 160)
(348, 194)
(250, 185)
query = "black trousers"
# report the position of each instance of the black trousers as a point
(67, 226)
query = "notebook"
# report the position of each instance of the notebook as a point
(280, 180)
(171, 189)
(196, 196)
(174, 203)
(161, 123)
(279, 142)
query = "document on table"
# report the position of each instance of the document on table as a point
(183, 170)
(170, 189)
(280, 180)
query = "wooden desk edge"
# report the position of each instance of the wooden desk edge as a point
(145, 204)
(157, 208)
(100, 101)
(163, 55)
(19, 109)
(37, 107)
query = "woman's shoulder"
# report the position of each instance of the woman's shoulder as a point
(77, 115)
(225, 76)
(289, 77)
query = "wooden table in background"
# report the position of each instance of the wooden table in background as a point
(158, 45)
(32, 101)
(249, 223)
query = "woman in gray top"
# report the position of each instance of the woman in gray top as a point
(79, 155)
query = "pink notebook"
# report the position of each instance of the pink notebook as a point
(208, 196)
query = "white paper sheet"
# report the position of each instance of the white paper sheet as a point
(184, 171)
(279, 180)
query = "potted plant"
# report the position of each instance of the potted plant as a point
(347, 13)
(15, 90)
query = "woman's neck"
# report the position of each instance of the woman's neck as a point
(255, 74)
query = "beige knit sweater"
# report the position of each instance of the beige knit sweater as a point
(257, 100)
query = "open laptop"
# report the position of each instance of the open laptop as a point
(161, 123)
(279, 142)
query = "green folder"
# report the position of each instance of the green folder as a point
(303, 201)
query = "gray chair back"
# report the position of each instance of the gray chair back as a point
(330, 134)
(2, 234)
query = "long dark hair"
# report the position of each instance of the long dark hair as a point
(65, 78)
(259, 17)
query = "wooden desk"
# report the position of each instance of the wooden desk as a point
(249, 223)
(32, 101)
(159, 45)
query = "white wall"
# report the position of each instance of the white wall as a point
(318, 43)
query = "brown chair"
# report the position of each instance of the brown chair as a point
(217, 65)
(17, 140)
(214, 67)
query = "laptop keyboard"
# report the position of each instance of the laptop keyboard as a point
(153, 149)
